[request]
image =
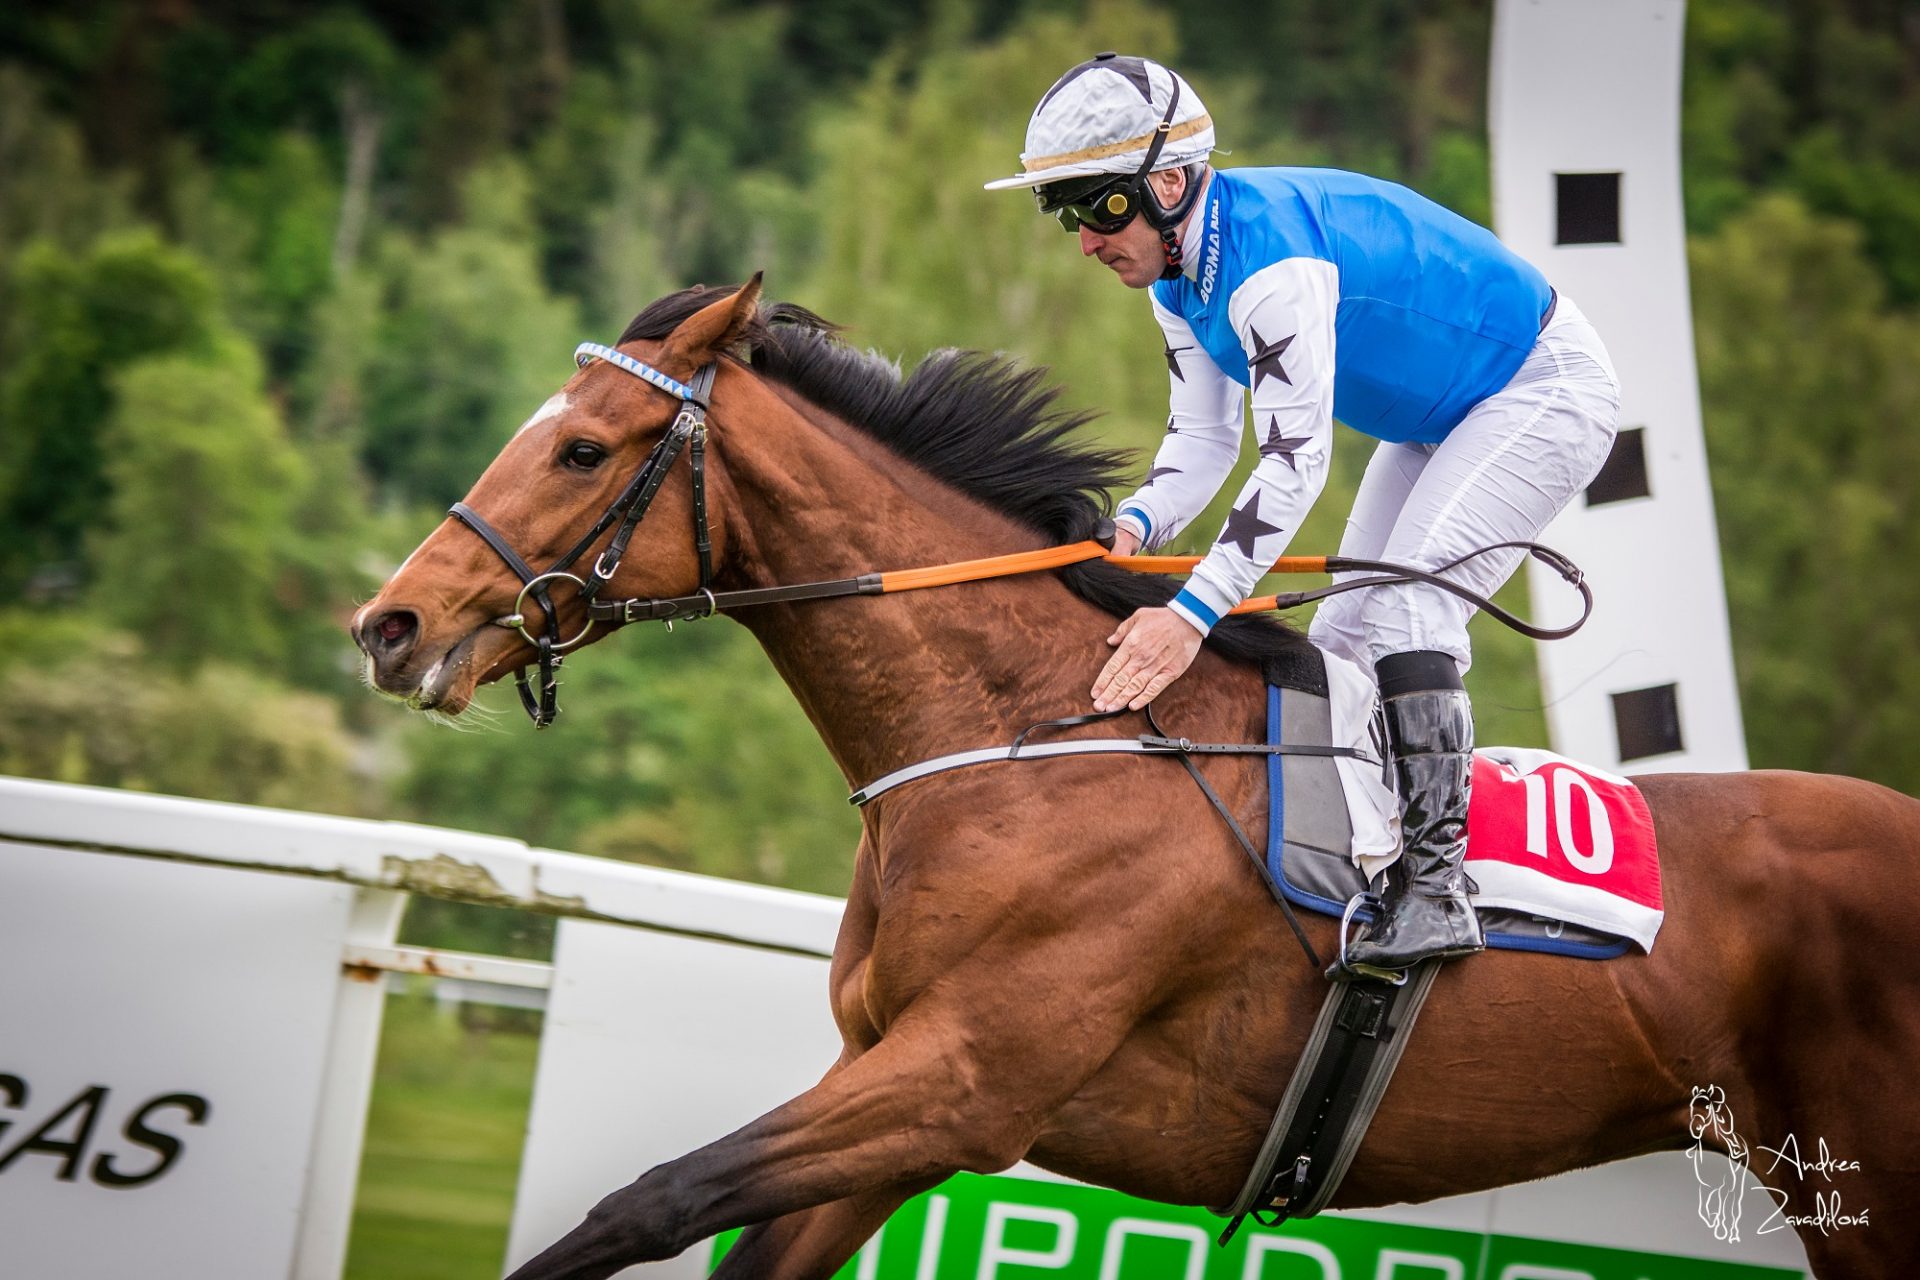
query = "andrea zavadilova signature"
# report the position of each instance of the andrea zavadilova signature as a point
(1723, 1188)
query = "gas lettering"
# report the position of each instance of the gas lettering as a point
(146, 1144)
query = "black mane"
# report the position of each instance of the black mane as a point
(991, 430)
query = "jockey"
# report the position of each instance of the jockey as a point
(1330, 294)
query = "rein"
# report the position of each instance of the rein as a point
(707, 603)
(688, 434)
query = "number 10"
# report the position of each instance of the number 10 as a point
(1599, 826)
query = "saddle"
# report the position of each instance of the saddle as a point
(1523, 817)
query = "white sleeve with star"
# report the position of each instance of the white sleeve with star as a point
(1202, 441)
(1284, 317)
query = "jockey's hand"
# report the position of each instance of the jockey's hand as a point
(1155, 646)
(1125, 541)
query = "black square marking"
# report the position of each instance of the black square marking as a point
(1586, 208)
(1624, 474)
(1647, 722)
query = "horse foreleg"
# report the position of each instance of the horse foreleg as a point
(930, 1100)
(814, 1243)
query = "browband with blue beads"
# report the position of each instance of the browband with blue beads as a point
(672, 386)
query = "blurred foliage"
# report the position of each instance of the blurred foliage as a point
(75, 319)
(466, 340)
(680, 750)
(82, 706)
(1811, 388)
(196, 457)
(277, 281)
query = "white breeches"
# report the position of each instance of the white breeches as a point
(1513, 462)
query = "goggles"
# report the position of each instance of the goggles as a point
(1103, 206)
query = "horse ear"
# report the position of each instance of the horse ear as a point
(711, 330)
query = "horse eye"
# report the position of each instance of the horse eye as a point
(585, 456)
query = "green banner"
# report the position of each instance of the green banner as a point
(1001, 1228)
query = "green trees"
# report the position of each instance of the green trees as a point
(1812, 386)
(190, 548)
(75, 320)
(91, 710)
(913, 255)
(1820, 100)
(681, 750)
(468, 341)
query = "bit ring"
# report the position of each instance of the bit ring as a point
(518, 618)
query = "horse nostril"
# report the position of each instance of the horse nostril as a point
(391, 632)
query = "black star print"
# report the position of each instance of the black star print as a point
(1171, 429)
(1157, 472)
(1245, 527)
(1173, 362)
(1284, 449)
(1266, 358)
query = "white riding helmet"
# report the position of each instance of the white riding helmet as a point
(1103, 117)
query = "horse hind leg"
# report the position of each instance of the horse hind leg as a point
(1857, 1226)
(1854, 1217)
(1836, 1130)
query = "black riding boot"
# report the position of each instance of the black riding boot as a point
(1426, 914)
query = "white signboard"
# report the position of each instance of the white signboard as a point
(163, 1035)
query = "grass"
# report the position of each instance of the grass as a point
(444, 1133)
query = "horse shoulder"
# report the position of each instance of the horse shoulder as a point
(1032, 885)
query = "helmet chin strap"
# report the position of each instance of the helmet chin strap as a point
(1166, 221)
(1170, 246)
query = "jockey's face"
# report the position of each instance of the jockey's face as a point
(1135, 252)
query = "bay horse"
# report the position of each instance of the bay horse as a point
(1070, 961)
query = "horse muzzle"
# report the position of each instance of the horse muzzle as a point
(397, 663)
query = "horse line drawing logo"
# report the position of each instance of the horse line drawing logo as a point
(1720, 1198)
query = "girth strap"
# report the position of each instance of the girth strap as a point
(1357, 1041)
(1146, 744)
(1155, 743)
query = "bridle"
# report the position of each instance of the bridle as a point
(688, 432)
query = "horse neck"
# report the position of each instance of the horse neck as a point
(888, 680)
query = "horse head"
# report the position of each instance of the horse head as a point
(503, 582)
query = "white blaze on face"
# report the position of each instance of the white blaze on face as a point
(556, 405)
